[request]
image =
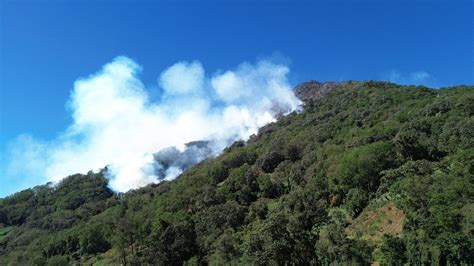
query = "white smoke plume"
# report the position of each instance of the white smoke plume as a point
(115, 123)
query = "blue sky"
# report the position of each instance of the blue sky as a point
(46, 45)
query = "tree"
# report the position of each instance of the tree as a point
(392, 250)
(92, 240)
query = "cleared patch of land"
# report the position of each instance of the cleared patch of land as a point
(374, 224)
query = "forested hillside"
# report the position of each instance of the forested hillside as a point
(367, 172)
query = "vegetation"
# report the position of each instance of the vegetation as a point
(369, 171)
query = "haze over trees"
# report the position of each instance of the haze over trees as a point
(368, 171)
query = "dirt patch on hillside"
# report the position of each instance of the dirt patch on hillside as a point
(374, 224)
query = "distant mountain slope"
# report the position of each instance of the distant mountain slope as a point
(313, 90)
(368, 172)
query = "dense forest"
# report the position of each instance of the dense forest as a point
(368, 172)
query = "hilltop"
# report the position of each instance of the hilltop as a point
(367, 172)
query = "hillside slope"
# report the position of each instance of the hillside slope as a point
(368, 172)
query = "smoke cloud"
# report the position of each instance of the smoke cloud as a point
(115, 124)
(170, 162)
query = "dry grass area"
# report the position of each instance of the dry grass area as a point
(374, 224)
